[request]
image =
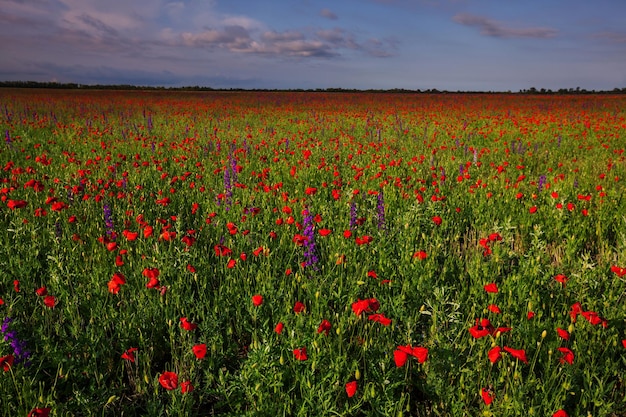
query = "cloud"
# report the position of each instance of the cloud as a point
(614, 37)
(489, 27)
(328, 14)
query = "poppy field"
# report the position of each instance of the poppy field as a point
(312, 253)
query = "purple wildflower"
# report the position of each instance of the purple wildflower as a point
(352, 215)
(542, 181)
(20, 351)
(310, 254)
(108, 221)
(380, 210)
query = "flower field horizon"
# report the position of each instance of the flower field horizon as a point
(291, 253)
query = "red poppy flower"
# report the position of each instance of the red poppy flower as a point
(482, 329)
(494, 354)
(325, 232)
(494, 309)
(116, 283)
(50, 301)
(148, 231)
(191, 269)
(619, 271)
(324, 327)
(221, 250)
(561, 278)
(593, 318)
(380, 318)
(575, 310)
(16, 285)
(420, 254)
(532, 210)
(16, 204)
(257, 300)
(420, 353)
(361, 306)
(6, 362)
(530, 315)
(517, 353)
(42, 291)
(400, 357)
(129, 355)
(231, 263)
(279, 328)
(347, 234)
(491, 288)
(186, 387)
(111, 246)
(372, 274)
(168, 380)
(364, 240)
(563, 334)
(187, 325)
(300, 354)
(151, 273)
(495, 237)
(560, 413)
(488, 395)
(568, 355)
(40, 412)
(199, 350)
(351, 388)
(299, 307)
(437, 220)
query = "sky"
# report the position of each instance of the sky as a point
(466, 45)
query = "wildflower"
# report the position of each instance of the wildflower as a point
(482, 329)
(324, 327)
(351, 388)
(199, 350)
(299, 307)
(168, 380)
(568, 355)
(619, 271)
(491, 288)
(129, 355)
(562, 279)
(361, 306)
(517, 354)
(186, 387)
(187, 325)
(488, 395)
(380, 210)
(560, 413)
(401, 354)
(437, 220)
(116, 282)
(494, 354)
(279, 328)
(563, 334)
(494, 309)
(420, 254)
(380, 318)
(40, 412)
(6, 362)
(49, 301)
(300, 354)
(310, 251)
(257, 300)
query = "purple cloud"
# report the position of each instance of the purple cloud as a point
(328, 14)
(614, 37)
(489, 27)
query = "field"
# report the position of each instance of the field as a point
(283, 253)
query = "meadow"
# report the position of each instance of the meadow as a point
(283, 253)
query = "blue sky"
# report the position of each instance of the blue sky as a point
(487, 45)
